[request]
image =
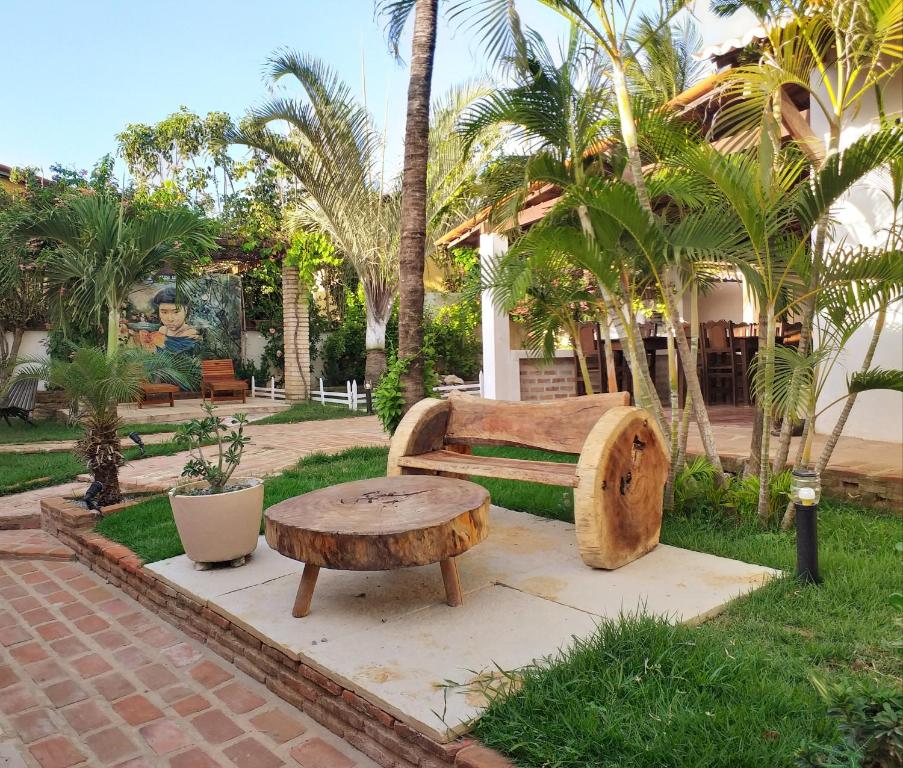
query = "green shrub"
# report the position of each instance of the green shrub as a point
(697, 492)
(870, 719)
(388, 400)
(452, 338)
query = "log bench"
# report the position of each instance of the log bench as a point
(618, 479)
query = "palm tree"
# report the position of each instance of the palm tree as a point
(665, 66)
(412, 244)
(95, 382)
(335, 153)
(839, 53)
(773, 211)
(104, 246)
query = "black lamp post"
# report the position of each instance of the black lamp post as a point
(136, 439)
(805, 492)
(368, 395)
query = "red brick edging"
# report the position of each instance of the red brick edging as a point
(376, 733)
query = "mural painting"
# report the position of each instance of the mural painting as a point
(201, 317)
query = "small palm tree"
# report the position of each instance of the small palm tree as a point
(104, 246)
(95, 382)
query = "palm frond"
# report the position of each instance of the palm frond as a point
(875, 378)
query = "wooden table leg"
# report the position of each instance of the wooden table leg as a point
(453, 594)
(305, 590)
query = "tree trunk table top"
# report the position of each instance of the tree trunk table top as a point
(381, 523)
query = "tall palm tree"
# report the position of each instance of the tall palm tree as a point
(104, 246)
(95, 382)
(334, 151)
(412, 244)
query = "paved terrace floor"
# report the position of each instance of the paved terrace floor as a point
(88, 677)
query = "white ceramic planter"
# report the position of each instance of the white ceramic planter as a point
(219, 527)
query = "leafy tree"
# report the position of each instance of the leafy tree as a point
(103, 246)
(182, 158)
(21, 281)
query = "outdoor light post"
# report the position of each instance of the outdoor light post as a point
(368, 395)
(805, 491)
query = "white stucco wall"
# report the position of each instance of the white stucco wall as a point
(254, 344)
(33, 346)
(862, 218)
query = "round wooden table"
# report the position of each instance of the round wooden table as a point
(378, 525)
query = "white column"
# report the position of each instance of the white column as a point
(501, 370)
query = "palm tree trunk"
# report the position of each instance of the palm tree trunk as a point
(851, 399)
(768, 385)
(675, 423)
(377, 320)
(611, 377)
(755, 443)
(413, 202)
(581, 360)
(8, 355)
(112, 331)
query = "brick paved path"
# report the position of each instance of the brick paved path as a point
(273, 448)
(90, 678)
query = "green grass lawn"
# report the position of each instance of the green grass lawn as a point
(20, 432)
(735, 691)
(309, 411)
(26, 471)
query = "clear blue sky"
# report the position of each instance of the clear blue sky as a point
(75, 72)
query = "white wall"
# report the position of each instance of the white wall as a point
(862, 218)
(723, 301)
(33, 346)
(254, 343)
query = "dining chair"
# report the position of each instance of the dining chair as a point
(719, 363)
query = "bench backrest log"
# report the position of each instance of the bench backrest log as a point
(560, 426)
(213, 370)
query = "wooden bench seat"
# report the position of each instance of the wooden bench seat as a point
(452, 462)
(218, 377)
(618, 480)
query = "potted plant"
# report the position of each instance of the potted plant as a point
(218, 517)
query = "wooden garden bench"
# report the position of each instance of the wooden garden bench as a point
(618, 480)
(19, 401)
(218, 376)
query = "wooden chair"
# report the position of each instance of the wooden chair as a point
(618, 480)
(594, 363)
(719, 364)
(218, 376)
(790, 334)
(19, 401)
(743, 338)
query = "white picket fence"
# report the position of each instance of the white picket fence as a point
(350, 398)
(354, 397)
(468, 388)
(272, 391)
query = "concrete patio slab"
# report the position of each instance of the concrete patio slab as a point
(389, 636)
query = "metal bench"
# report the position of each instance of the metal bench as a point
(618, 479)
(19, 401)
